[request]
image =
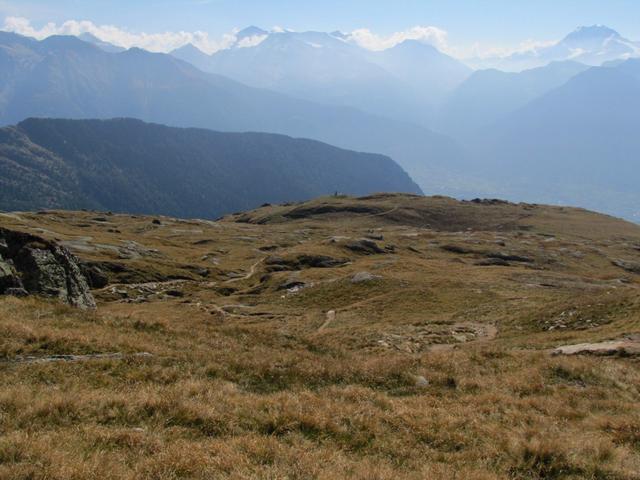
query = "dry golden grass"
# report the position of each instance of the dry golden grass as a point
(243, 383)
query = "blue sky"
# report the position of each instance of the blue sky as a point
(497, 23)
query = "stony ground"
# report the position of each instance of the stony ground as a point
(384, 337)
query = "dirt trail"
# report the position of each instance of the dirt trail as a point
(251, 273)
(366, 300)
(383, 213)
(331, 316)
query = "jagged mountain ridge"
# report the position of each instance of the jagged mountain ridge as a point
(406, 81)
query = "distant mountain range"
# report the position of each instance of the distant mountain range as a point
(64, 77)
(131, 166)
(106, 46)
(594, 46)
(407, 81)
(563, 132)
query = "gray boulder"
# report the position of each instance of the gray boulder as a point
(364, 277)
(629, 266)
(41, 267)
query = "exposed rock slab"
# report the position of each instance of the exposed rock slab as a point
(41, 267)
(300, 262)
(365, 246)
(364, 277)
(624, 347)
(629, 266)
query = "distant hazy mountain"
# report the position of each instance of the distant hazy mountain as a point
(310, 65)
(577, 144)
(66, 77)
(106, 46)
(593, 45)
(193, 55)
(488, 95)
(404, 82)
(130, 166)
(427, 71)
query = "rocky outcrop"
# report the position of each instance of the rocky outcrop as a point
(365, 247)
(629, 266)
(300, 262)
(8, 276)
(364, 277)
(94, 274)
(328, 208)
(509, 257)
(40, 267)
(629, 346)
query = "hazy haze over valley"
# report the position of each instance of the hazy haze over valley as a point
(544, 122)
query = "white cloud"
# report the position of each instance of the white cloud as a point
(155, 42)
(372, 41)
(479, 51)
(439, 38)
(167, 41)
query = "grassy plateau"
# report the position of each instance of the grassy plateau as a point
(382, 337)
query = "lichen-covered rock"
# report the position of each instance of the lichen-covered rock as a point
(8, 275)
(41, 267)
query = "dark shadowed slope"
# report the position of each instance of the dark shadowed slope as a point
(130, 166)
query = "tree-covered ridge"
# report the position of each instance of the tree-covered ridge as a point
(130, 166)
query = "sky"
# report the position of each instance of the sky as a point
(461, 27)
